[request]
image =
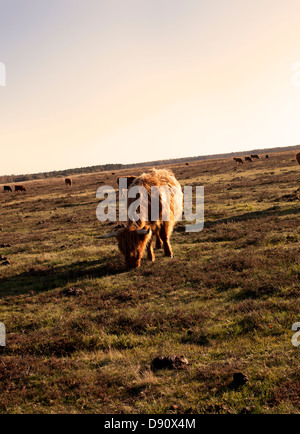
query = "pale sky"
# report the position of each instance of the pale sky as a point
(92, 82)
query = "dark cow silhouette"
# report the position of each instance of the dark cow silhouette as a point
(238, 160)
(297, 156)
(20, 188)
(130, 179)
(68, 181)
(255, 156)
(7, 188)
(248, 159)
(267, 157)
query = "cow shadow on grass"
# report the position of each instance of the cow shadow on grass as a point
(270, 212)
(45, 278)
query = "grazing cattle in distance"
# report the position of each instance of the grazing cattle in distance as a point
(267, 157)
(248, 159)
(130, 179)
(255, 156)
(298, 157)
(68, 181)
(7, 188)
(238, 160)
(20, 188)
(138, 235)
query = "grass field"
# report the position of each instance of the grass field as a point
(227, 301)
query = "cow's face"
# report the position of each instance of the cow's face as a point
(132, 244)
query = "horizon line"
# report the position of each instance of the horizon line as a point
(165, 161)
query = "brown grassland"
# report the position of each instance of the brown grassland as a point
(227, 301)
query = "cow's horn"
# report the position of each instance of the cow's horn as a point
(112, 234)
(143, 231)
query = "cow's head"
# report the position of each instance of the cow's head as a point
(132, 243)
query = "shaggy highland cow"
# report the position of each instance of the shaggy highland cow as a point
(136, 236)
(20, 188)
(238, 160)
(298, 157)
(68, 181)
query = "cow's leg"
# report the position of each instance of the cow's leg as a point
(158, 242)
(165, 233)
(150, 252)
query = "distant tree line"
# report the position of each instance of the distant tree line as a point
(8, 179)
